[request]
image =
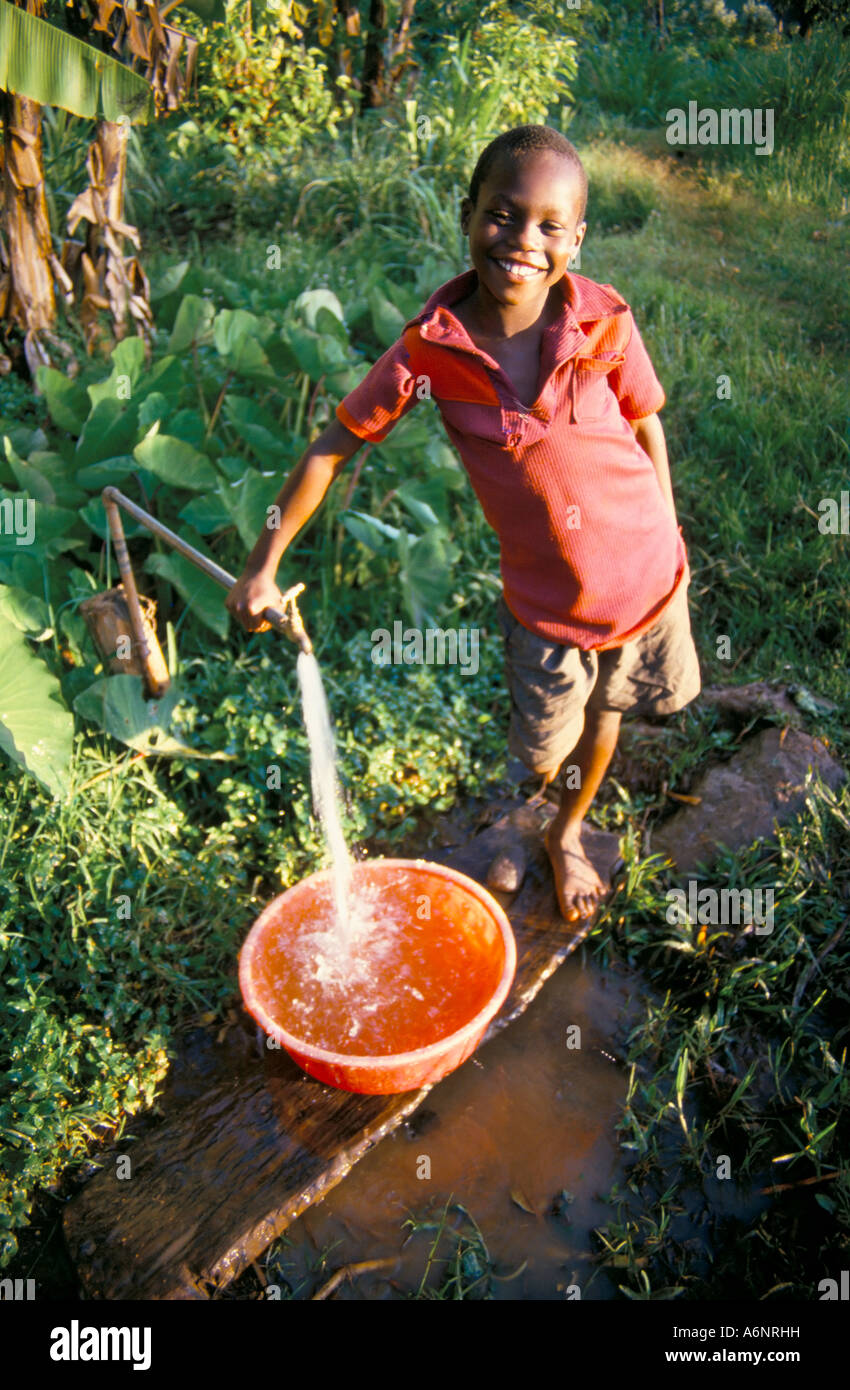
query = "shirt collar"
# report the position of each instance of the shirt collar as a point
(585, 302)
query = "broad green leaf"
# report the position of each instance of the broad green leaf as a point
(193, 323)
(165, 376)
(281, 356)
(256, 427)
(231, 292)
(189, 425)
(434, 491)
(269, 448)
(369, 530)
(232, 326)
(248, 501)
(94, 515)
(405, 298)
(7, 474)
(318, 354)
(440, 454)
(357, 311)
(365, 534)
(248, 359)
(28, 613)
(207, 513)
(48, 65)
(203, 595)
(128, 361)
(118, 705)
(326, 322)
(387, 320)
(35, 527)
(244, 410)
(169, 281)
(74, 633)
(309, 302)
(207, 280)
(154, 409)
(36, 730)
(348, 378)
(238, 338)
(409, 438)
(304, 344)
(111, 429)
(128, 357)
(60, 475)
(336, 357)
(81, 583)
(195, 279)
(426, 573)
(109, 473)
(419, 510)
(29, 479)
(176, 462)
(28, 572)
(232, 466)
(67, 400)
(24, 439)
(110, 389)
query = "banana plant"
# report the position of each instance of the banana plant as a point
(40, 65)
(43, 65)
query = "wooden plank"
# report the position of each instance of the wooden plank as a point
(225, 1174)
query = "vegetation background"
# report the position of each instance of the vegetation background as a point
(298, 205)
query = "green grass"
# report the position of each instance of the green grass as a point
(739, 1078)
(631, 83)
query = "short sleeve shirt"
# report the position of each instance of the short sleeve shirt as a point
(590, 551)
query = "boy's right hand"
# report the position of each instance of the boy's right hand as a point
(251, 594)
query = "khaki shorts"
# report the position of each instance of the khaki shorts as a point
(551, 685)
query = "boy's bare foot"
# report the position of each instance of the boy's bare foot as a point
(577, 883)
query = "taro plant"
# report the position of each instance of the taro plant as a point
(201, 436)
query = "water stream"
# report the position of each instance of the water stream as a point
(326, 797)
(340, 972)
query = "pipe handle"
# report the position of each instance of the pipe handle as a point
(288, 621)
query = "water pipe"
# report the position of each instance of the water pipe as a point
(288, 621)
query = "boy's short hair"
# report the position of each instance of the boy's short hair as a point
(527, 139)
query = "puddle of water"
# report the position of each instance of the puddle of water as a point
(528, 1116)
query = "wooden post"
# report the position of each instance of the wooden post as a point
(156, 673)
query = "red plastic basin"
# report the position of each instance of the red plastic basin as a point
(424, 1008)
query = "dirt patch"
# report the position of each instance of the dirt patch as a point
(740, 801)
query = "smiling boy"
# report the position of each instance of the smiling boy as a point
(550, 398)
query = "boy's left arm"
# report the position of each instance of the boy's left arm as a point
(650, 436)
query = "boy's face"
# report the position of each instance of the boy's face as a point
(524, 228)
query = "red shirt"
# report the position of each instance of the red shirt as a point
(590, 552)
